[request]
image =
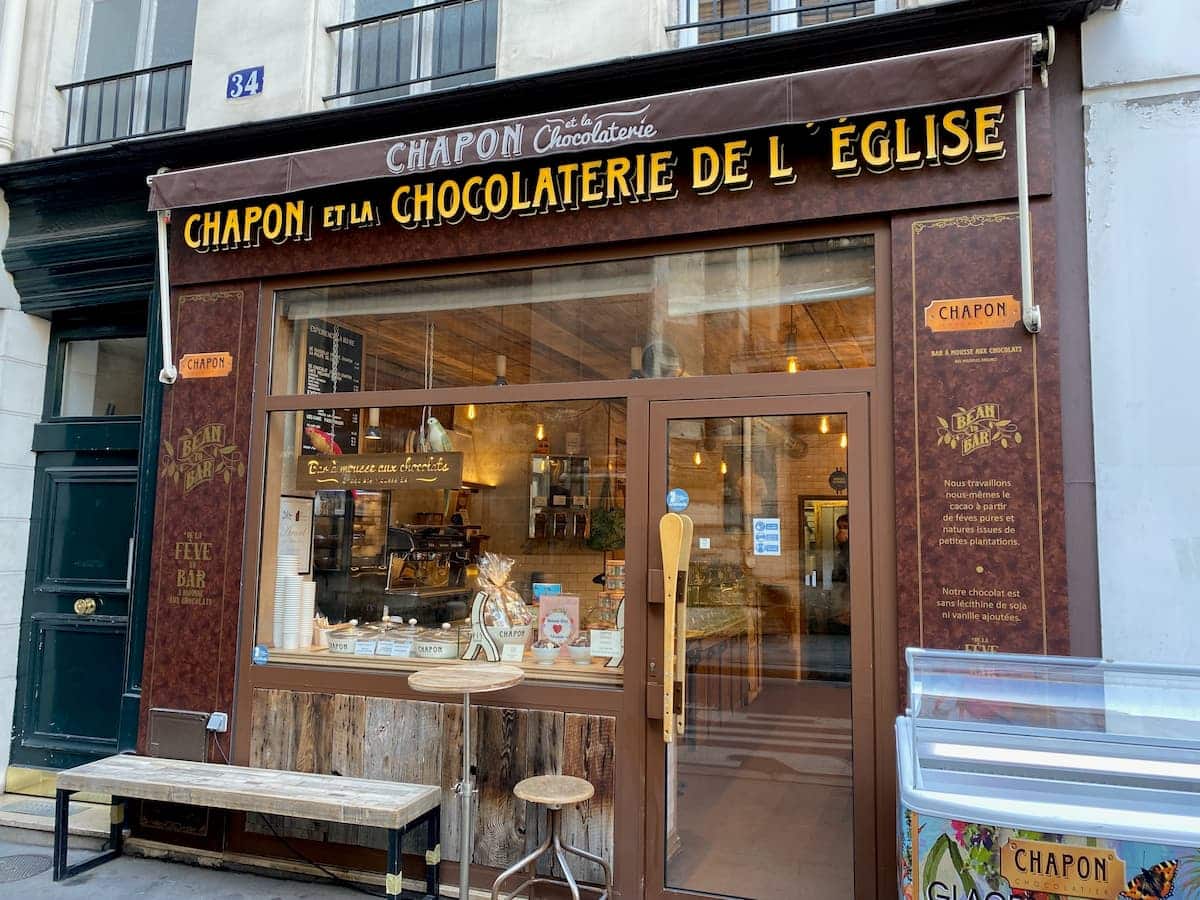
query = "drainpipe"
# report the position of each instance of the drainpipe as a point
(12, 30)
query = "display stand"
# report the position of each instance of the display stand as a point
(615, 662)
(480, 639)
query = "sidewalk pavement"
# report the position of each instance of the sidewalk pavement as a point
(130, 876)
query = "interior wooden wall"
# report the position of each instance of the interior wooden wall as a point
(420, 741)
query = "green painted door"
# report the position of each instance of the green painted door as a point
(80, 574)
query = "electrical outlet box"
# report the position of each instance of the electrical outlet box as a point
(218, 722)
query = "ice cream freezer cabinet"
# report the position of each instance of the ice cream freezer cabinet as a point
(1044, 778)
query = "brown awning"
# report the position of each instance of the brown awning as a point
(903, 82)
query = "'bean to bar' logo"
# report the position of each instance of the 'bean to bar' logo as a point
(975, 428)
(202, 455)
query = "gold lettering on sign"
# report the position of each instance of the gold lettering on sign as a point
(975, 428)
(192, 556)
(201, 455)
(1063, 869)
(972, 313)
(205, 365)
(380, 470)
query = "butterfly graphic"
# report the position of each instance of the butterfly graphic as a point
(1155, 883)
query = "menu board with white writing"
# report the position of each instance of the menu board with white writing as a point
(332, 365)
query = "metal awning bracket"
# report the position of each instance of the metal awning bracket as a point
(168, 374)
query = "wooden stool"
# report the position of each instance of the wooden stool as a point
(553, 792)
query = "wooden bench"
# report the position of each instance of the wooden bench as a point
(328, 798)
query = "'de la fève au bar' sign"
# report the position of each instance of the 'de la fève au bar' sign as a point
(376, 471)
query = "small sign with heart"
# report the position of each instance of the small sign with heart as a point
(558, 618)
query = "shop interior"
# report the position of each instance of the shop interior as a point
(393, 570)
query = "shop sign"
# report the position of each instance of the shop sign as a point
(1065, 869)
(380, 471)
(638, 176)
(205, 365)
(973, 313)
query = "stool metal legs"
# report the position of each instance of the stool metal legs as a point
(553, 843)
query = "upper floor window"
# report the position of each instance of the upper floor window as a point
(134, 70)
(706, 21)
(392, 48)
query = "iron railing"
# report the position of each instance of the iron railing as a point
(434, 45)
(145, 101)
(707, 21)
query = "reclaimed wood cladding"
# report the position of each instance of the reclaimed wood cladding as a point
(421, 742)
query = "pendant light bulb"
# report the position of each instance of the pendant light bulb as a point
(793, 365)
(843, 441)
(824, 424)
(541, 431)
(724, 467)
(696, 458)
(470, 412)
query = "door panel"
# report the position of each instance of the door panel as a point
(768, 791)
(74, 693)
(72, 657)
(89, 523)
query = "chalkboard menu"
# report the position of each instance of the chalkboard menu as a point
(332, 365)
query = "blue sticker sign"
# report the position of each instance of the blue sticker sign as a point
(677, 500)
(258, 655)
(244, 83)
(767, 537)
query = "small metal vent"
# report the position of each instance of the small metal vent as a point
(22, 866)
(178, 734)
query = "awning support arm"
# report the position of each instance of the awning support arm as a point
(169, 373)
(1031, 313)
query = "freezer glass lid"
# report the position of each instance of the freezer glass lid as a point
(1050, 739)
(1111, 702)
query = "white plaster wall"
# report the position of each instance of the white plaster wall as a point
(540, 35)
(1142, 133)
(288, 37)
(23, 346)
(47, 59)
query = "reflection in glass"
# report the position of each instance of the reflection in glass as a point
(794, 307)
(759, 791)
(397, 525)
(103, 377)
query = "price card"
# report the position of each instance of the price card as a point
(606, 642)
(402, 648)
(512, 652)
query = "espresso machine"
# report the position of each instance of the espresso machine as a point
(427, 573)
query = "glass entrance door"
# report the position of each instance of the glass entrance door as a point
(760, 755)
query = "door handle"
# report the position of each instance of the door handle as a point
(675, 535)
(86, 606)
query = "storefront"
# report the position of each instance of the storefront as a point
(786, 305)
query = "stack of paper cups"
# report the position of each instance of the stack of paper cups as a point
(285, 568)
(308, 609)
(291, 612)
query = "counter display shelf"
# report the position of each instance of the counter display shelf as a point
(1030, 777)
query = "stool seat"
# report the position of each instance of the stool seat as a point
(554, 790)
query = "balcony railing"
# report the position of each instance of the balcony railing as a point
(145, 101)
(707, 21)
(435, 45)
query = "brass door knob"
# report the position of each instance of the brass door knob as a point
(86, 606)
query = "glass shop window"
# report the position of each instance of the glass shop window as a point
(400, 537)
(102, 377)
(799, 306)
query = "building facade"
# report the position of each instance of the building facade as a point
(793, 296)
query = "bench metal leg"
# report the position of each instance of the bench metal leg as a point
(394, 878)
(116, 837)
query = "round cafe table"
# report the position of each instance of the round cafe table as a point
(466, 679)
